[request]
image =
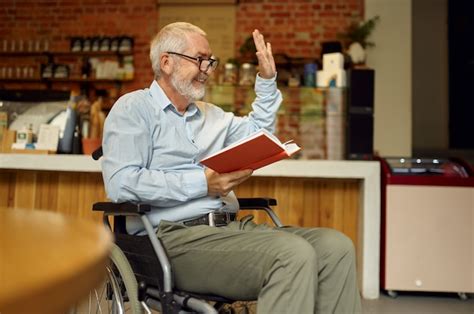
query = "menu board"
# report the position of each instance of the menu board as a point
(217, 20)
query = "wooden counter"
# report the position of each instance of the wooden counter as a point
(344, 195)
(48, 261)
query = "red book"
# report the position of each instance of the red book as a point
(253, 152)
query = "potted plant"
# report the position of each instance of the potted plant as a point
(356, 39)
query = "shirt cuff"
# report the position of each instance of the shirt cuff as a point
(265, 86)
(195, 183)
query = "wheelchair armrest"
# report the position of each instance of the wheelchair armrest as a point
(261, 204)
(256, 202)
(97, 153)
(125, 208)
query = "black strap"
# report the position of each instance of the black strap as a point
(185, 301)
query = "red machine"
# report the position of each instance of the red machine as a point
(427, 225)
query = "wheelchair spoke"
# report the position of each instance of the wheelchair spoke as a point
(112, 296)
(98, 300)
(102, 299)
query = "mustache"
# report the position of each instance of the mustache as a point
(202, 76)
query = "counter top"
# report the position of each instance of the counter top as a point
(74, 163)
(284, 168)
(367, 172)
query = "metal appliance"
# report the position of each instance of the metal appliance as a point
(427, 225)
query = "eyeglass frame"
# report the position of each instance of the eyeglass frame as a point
(199, 60)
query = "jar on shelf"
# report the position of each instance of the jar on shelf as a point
(105, 44)
(230, 74)
(95, 43)
(87, 44)
(76, 44)
(126, 44)
(128, 69)
(114, 43)
(247, 74)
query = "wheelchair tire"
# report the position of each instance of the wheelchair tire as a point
(109, 296)
(128, 280)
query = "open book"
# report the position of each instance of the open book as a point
(255, 151)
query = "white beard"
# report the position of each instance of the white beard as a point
(186, 88)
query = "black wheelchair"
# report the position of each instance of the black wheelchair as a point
(140, 276)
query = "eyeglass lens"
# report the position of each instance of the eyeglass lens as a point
(206, 64)
(203, 64)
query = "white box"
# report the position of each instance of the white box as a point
(333, 61)
(325, 77)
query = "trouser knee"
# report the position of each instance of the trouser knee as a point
(296, 251)
(338, 244)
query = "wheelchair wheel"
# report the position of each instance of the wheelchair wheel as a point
(118, 294)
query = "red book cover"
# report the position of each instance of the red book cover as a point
(256, 151)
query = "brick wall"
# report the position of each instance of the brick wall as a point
(294, 27)
(57, 20)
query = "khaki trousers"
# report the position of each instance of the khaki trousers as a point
(287, 270)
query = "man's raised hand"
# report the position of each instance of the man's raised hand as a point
(266, 64)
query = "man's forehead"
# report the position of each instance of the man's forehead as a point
(198, 44)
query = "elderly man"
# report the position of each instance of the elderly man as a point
(154, 139)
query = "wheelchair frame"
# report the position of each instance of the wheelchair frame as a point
(150, 263)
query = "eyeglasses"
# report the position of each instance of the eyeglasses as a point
(204, 64)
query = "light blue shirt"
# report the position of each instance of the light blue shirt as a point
(152, 152)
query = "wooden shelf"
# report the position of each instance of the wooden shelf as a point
(52, 57)
(64, 80)
(22, 54)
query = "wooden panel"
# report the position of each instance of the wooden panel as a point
(301, 201)
(25, 189)
(46, 190)
(308, 202)
(65, 192)
(351, 210)
(7, 184)
(77, 193)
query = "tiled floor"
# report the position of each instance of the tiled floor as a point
(419, 303)
(405, 303)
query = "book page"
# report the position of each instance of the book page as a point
(291, 148)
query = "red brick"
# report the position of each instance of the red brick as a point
(279, 19)
(280, 14)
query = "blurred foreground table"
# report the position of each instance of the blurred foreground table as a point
(48, 261)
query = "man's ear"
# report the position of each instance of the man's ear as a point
(166, 64)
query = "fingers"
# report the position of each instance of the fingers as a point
(264, 54)
(260, 43)
(258, 40)
(270, 57)
(240, 177)
(222, 184)
(233, 179)
(237, 175)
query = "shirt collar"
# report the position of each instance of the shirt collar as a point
(164, 102)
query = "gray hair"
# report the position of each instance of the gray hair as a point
(172, 37)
